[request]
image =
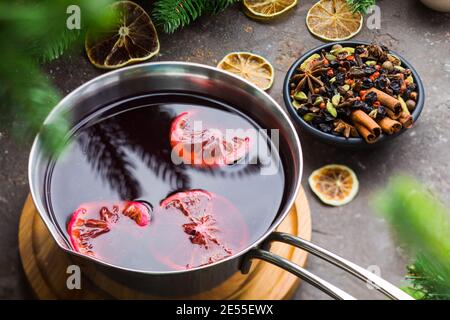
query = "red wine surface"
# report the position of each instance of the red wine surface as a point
(124, 154)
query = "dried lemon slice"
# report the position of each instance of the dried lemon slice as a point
(131, 38)
(334, 184)
(333, 20)
(249, 66)
(267, 9)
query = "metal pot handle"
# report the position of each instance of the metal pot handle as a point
(378, 283)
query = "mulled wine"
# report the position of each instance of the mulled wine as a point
(163, 182)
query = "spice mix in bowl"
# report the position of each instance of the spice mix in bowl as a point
(353, 93)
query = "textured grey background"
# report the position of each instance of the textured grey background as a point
(354, 231)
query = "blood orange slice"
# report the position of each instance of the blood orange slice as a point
(204, 147)
(82, 228)
(210, 229)
(137, 211)
(94, 219)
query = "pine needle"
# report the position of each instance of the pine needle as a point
(175, 14)
(423, 224)
(55, 49)
(216, 6)
(361, 6)
(428, 280)
(34, 32)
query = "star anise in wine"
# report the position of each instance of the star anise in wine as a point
(202, 231)
(309, 74)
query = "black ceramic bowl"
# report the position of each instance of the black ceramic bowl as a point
(342, 141)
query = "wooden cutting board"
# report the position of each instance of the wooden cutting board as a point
(45, 265)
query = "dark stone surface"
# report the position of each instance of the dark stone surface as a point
(354, 231)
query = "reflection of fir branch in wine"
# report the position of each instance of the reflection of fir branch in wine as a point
(152, 145)
(102, 144)
(156, 138)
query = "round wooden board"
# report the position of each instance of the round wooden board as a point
(45, 265)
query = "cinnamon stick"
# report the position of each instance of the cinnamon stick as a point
(362, 119)
(406, 120)
(365, 133)
(390, 126)
(388, 101)
(392, 115)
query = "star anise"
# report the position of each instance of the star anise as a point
(378, 52)
(202, 231)
(308, 75)
(345, 129)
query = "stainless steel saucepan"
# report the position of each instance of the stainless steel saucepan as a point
(259, 106)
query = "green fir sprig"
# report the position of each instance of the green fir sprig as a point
(34, 32)
(422, 223)
(428, 280)
(175, 14)
(361, 6)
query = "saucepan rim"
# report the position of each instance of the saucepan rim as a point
(102, 80)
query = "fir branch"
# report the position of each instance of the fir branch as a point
(37, 31)
(423, 224)
(361, 6)
(26, 99)
(55, 49)
(427, 280)
(216, 6)
(175, 14)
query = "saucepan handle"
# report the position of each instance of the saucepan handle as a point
(378, 283)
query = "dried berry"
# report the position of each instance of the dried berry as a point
(328, 118)
(340, 79)
(381, 112)
(343, 112)
(360, 50)
(395, 86)
(381, 83)
(366, 84)
(358, 105)
(370, 98)
(302, 110)
(324, 127)
(369, 70)
(334, 64)
(366, 108)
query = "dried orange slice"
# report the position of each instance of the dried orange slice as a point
(334, 184)
(333, 20)
(130, 38)
(267, 9)
(249, 66)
